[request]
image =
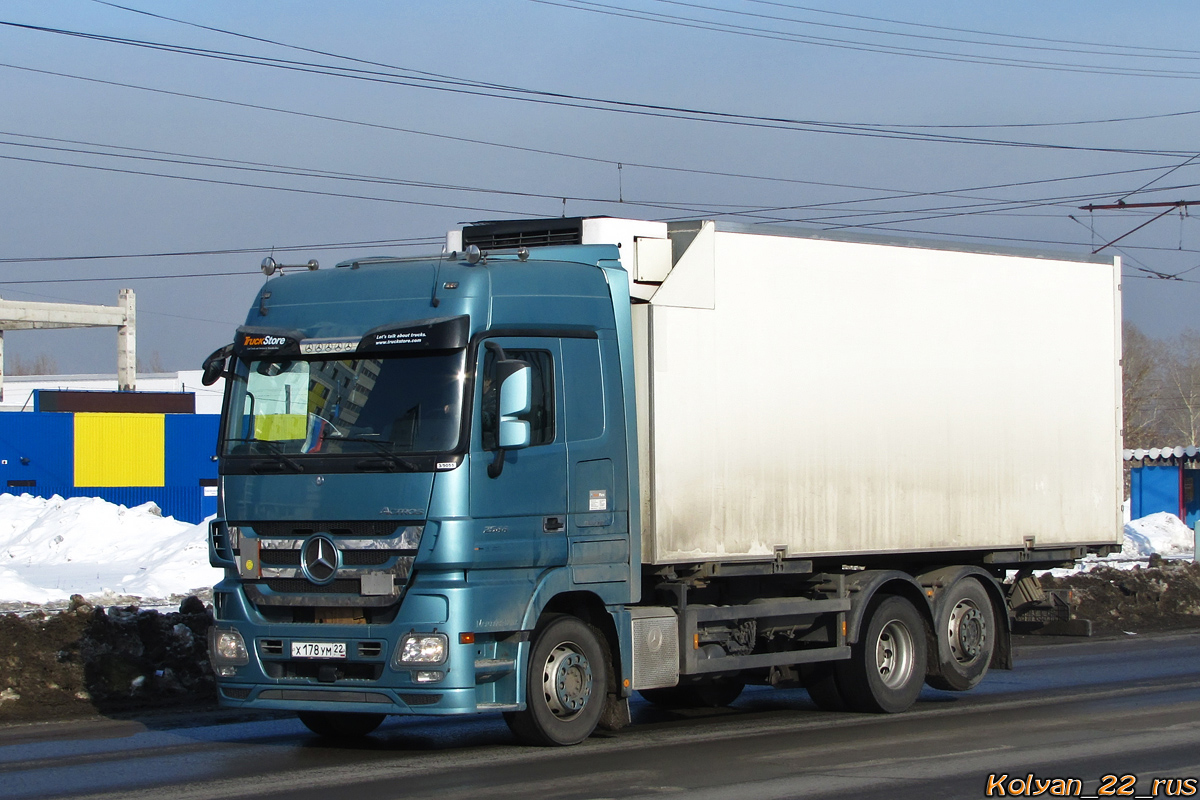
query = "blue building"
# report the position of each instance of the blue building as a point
(124, 447)
(1164, 479)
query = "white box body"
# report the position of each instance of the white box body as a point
(821, 396)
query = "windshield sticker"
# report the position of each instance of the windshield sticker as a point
(260, 342)
(399, 339)
(435, 334)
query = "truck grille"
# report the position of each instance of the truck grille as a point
(376, 559)
(372, 529)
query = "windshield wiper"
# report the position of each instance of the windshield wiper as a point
(277, 451)
(385, 454)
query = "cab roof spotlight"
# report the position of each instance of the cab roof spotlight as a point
(473, 254)
(270, 266)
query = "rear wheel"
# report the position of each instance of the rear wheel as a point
(339, 724)
(566, 687)
(966, 631)
(888, 662)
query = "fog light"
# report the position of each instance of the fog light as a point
(428, 675)
(422, 648)
(226, 650)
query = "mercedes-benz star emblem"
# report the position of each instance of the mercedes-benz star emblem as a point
(319, 559)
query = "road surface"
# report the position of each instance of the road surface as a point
(1072, 709)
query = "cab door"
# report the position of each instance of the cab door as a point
(520, 515)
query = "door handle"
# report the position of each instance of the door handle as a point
(552, 524)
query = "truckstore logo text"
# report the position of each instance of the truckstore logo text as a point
(264, 341)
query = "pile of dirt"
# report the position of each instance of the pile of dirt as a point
(86, 660)
(1163, 596)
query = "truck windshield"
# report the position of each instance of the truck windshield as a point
(331, 406)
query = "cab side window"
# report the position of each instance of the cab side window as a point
(541, 413)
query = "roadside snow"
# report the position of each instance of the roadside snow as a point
(1160, 533)
(53, 548)
(1163, 534)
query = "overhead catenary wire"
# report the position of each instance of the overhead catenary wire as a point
(1014, 42)
(576, 156)
(861, 46)
(895, 213)
(184, 159)
(358, 60)
(173, 157)
(466, 86)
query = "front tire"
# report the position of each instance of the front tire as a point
(566, 686)
(887, 664)
(339, 724)
(966, 633)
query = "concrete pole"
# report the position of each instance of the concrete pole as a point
(127, 342)
(1, 366)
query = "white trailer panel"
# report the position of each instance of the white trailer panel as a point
(837, 397)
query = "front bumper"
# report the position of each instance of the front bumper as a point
(479, 672)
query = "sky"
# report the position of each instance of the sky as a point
(168, 146)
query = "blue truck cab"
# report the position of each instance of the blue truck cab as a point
(422, 461)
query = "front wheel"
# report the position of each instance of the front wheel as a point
(887, 664)
(340, 724)
(566, 688)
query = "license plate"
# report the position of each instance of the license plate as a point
(318, 649)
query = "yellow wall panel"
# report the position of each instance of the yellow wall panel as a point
(120, 449)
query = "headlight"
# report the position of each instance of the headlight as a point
(422, 648)
(226, 649)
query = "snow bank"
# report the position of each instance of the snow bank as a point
(1162, 533)
(53, 548)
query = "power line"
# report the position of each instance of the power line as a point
(185, 159)
(1049, 45)
(260, 167)
(964, 30)
(573, 156)
(848, 44)
(277, 43)
(465, 86)
(370, 243)
(243, 273)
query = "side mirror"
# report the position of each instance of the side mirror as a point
(214, 365)
(516, 398)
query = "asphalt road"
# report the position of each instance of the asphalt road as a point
(1080, 709)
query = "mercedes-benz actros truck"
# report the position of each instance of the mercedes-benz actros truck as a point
(568, 460)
